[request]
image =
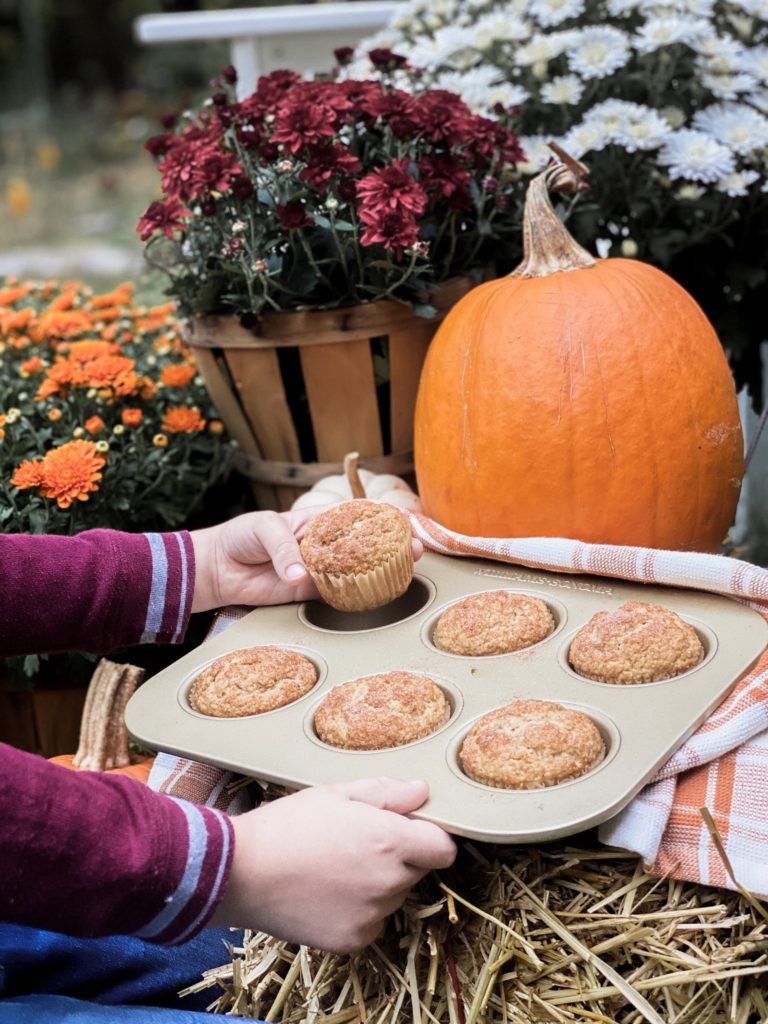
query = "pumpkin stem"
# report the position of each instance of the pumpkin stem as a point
(548, 247)
(350, 469)
(103, 736)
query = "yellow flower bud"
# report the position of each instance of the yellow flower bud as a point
(160, 440)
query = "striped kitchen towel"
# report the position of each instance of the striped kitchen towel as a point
(723, 766)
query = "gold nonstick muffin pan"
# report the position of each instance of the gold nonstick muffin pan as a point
(642, 724)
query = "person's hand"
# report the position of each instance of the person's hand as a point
(326, 866)
(254, 559)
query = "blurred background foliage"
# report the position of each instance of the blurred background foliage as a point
(79, 95)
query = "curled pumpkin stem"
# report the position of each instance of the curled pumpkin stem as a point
(352, 475)
(548, 246)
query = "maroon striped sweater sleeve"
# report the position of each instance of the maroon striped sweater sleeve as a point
(96, 591)
(91, 853)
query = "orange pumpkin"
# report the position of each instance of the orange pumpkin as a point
(578, 398)
(103, 742)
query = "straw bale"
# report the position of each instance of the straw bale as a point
(563, 932)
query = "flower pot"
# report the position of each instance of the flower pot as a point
(300, 389)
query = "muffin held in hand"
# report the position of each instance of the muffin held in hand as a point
(531, 744)
(380, 711)
(496, 622)
(251, 681)
(638, 643)
(359, 554)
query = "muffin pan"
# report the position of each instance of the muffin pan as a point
(642, 724)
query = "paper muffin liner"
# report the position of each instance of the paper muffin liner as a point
(363, 591)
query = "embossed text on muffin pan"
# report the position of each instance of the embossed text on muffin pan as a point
(642, 724)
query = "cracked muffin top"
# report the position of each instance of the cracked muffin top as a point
(640, 642)
(354, 537)
(531, 744)
(384, 710)
(496, 622)
(251, 681)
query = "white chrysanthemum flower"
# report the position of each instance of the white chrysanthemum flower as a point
(507, 94)
(554, 12)
(611, 117)
(724, 50)
(450, 46)
(598, 51)
(690, 193)
(497, 27)
(658, 32)
(537, 153)
(544, 47)
(643, 130)
(696, 156)
(622, 8)
(728, 86)
(479, 90)
(755, 62)
(674, 116)
(737, 184)
(757, 8)
(698, 8)
(565, 90)
(736, 125)
(584, 138)
(758, 98)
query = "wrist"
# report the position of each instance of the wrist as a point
(205, 593)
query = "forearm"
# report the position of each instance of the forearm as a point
(88, 853)
(96, 591)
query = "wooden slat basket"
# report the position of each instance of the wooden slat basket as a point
(300, 389)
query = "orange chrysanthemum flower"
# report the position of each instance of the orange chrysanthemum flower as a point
(183, 420)
(115, 373)
(58, 379)
(177, 375)
(30, 366)
(71, 472)
(8, 296)
(131, 417)
(147, 388)
(87, 349)
(29, 474)
(66, 324)
(54, 415)
(63, 301)
(119, 297)
(94, 425)
(15, 320)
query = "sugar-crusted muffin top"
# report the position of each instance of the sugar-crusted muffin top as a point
(252, 680)
(531, 744)
(383, 710)
(639, 642)
(354, 536)
(494, 622)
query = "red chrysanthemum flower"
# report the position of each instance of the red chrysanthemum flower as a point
(165, 216)
(303, 124)
(396, 230)
(293, 215)
(325, 161)
(391, 189)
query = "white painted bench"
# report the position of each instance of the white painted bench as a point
(301, 37)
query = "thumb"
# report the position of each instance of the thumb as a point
(398, 795)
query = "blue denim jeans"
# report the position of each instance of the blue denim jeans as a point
(46, 978)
